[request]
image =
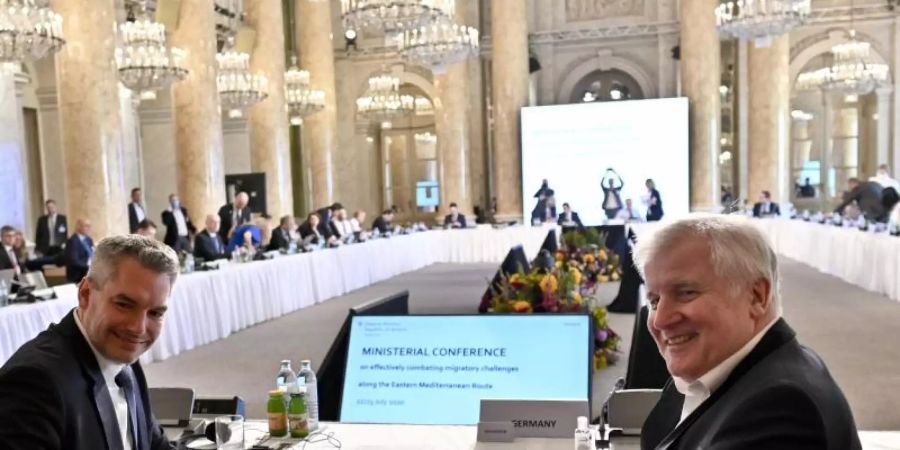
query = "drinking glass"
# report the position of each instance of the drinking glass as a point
(230, 432)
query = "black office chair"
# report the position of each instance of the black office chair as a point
(646, 367)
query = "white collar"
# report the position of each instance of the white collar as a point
(108, 367)
(710, 381)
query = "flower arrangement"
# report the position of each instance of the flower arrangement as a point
(564, 283)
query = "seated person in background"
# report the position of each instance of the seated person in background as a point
(8, 257)
(765, 207)
(79, 250)
(806, 190)
(339, 226)
(569, 218)
(867, 195)
(740, 379)
(629, 213)
(283, 235)
(146, 228)
(382, 223)
(356, 225)
(311, 228)
(246, 238)
(208, 244)
(454, 219)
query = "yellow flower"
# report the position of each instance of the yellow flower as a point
(576, 275)
(549, 283)
(603, 255)
(588, 258)
(615, 276)
(515, 278)
(576, 298)
(559, 264)
(560, 256)
(521, 306)
(603, 278)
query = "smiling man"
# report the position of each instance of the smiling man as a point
(740, 379)
(78, 385)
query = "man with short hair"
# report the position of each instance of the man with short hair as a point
(740, 379)
(569, 218)
(209, 245)
(765, 207)
(136, 211)
(382, 223)
(178, 225)
(79, 385)
(283, 235)
(51, 232)
(146, 228)
(235, 214)
(339, 225)
(79, 250)
(455, 219)
(867, 196)
(629, 213)
(8, 258)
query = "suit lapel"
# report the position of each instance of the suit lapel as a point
(91, 371)
(778, 335)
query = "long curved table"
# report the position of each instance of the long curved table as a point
(208, 306)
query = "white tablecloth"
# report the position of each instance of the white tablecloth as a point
(207, 306)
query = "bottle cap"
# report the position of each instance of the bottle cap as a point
(286, 361)
(582, 422)
(305, 362)
(275, 393)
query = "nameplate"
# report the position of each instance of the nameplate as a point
(536, 418)
(496, 432)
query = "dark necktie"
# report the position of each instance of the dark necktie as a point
(136, 418)
(216, 242)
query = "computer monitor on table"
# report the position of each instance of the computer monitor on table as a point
(330, 376)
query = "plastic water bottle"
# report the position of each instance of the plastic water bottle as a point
(286, 381)
(583, 438)
(307, 377)
(188, 263)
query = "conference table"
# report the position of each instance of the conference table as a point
(208, 306)
(447, 437)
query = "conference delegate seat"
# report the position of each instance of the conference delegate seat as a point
(646, 367)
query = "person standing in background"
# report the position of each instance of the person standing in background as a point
(178, 225)
(233, 215)
(654, 202)
(136, 211)
(612, 201)
(52, 231)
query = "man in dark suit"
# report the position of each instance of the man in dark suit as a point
(740, 379)
(454, 219)
(868, 196)
(382, 223)
(52, 231)
(136, 211)
(281, 237)
(235, 214)
(8, 258)
(569, 218)
(79, 385)
(79, 250)
(208, 244)
(765, 207)
(178, 225)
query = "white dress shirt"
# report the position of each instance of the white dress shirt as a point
(628, 214)
(139, 211)
(354, 225)
(180, 222)
(110, 369)
(12, 258)
(696, 392)
(51, 226)
(344, 228)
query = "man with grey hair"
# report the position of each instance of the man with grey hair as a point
(79, 385)
(740, 379)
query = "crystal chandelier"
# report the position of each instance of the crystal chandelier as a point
(382, 102)
(812, 80)
(392, 16)
(423, 106)
(29, 30)
(438, 44)
(302, 101)
(427, 138)
(238, 88)
(760, 20)
(145, 63)
(853, 72)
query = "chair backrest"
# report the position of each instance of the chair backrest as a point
(646, 367)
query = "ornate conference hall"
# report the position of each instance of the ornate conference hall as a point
(449, 224)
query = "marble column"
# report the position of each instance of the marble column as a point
(91, 128)
(198, 121)
(769, 119)
(451, 110)
(883, 134)
(314, 37)
(700, 77)
(269, 135)
(477, 135)
(826, 188)
(509, 37)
